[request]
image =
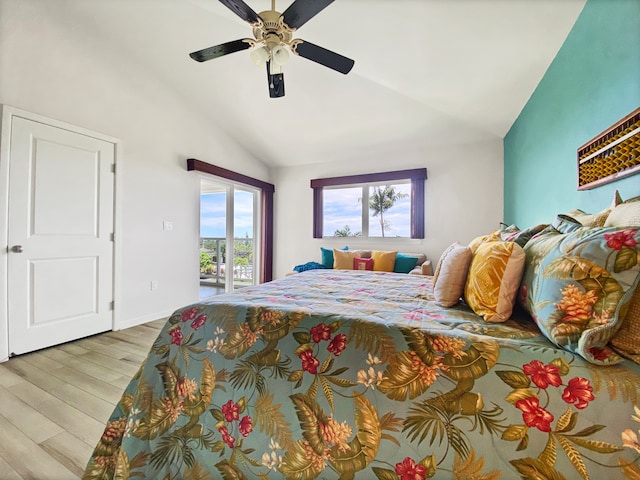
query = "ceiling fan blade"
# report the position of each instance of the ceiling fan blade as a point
(276, 83)
(220, 50)
(241, 9)
(301, 11)
(323, 56)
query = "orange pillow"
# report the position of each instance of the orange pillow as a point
(383, 261)
(343, 259)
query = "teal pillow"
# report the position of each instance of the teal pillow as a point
(327, 256)
(576, 285)
(404, 263)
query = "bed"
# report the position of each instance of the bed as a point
(356, 374)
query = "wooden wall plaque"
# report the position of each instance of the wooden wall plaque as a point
(612, 155)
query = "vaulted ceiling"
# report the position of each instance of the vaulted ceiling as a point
(426, 71)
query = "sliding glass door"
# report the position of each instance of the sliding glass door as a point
(229, 236)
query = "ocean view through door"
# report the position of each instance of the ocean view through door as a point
(229, 247)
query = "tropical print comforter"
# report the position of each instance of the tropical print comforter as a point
(348, 374)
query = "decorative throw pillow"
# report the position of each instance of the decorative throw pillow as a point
(590, 219)
(493, 279)
(451, 275)
(343, 259)
(404, 263)
(363, 263)
(576, 286)
(383, 261)
(627, 214)
(327, 256)
(508, 232)
(525, 235)
(492, 237)
(627, 341)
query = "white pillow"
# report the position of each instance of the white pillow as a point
(451, 274)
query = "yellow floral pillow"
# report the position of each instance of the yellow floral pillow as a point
(494, 279)
(383, 261)
(343, 259)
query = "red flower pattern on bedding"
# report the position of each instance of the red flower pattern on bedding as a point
(534, 415)
(338, 344)
(622, 238)
(309, 362)
(542, 375)
(408, 469)
(578, 392)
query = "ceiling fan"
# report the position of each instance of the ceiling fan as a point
(273, 32)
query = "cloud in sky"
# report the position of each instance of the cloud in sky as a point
(343, 206)
(213, 214)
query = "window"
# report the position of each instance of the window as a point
(389, 204)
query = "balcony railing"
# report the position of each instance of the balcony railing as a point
(213, 261)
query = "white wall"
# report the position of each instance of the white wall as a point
(463, 196)
(53, 67)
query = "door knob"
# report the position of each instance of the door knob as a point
(16, 249)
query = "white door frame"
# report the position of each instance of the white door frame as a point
(7, 115)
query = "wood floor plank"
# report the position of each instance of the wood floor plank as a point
(26, 418)
(54, 403)
(8, 473)
(41, 360)
(94, 344)
(69, 451)
(85, 402)
(20, 451)
(103, 390)
(103, 372)
(121, 350)
(83, 426)
(31, 374)
(8, 377)
(73, 348)
(122, 366)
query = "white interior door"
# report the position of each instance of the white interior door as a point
(60, 244)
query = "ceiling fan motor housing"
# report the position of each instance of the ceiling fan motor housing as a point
(273, 30)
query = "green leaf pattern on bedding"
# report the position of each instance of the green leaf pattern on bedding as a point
(380, 382)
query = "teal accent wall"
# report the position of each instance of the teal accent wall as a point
(593, 82)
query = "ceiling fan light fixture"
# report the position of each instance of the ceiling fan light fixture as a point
(279, 55)
(260, 55)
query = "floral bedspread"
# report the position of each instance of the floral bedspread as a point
(346, 374)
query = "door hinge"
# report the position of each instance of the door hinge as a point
(112, 304)
(113, 168)
(113, 237)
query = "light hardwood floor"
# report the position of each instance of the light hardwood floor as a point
(54, 403)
